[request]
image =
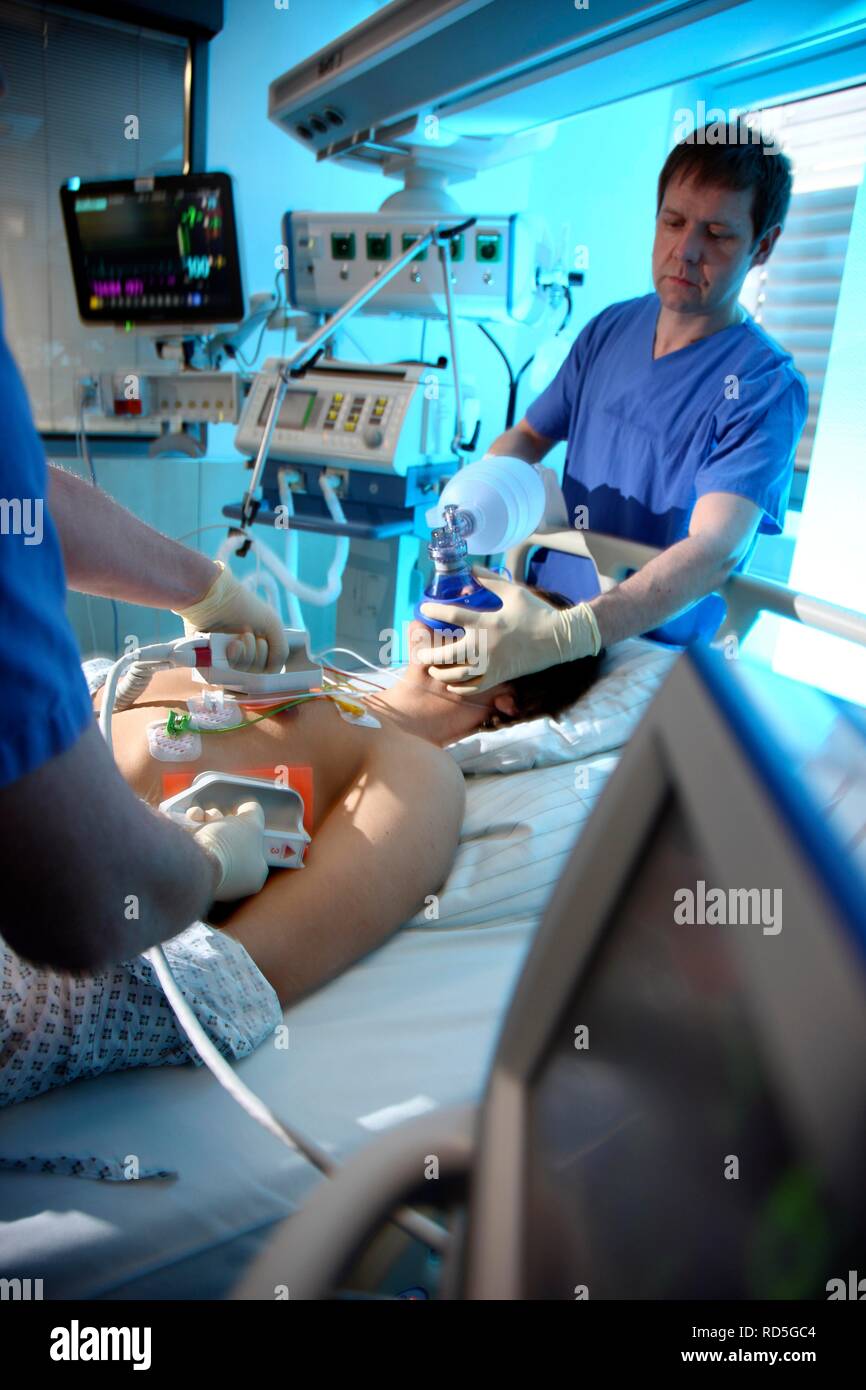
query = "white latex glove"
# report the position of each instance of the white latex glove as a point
(525, 634)
(237, 844)
(228, 606)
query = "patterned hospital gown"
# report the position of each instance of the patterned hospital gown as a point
(55, 1027)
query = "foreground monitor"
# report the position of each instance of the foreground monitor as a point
(677, 1108)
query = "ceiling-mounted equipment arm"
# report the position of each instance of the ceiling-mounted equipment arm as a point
(463, 67)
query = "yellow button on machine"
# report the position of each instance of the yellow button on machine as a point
(383, 401)
(349, 425)
(332, 414)
(338, 396)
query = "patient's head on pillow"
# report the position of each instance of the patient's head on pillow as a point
(546, 692)
(540, 693)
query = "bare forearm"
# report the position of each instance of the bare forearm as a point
(118, 916)
(519, 443)
(177, 877)
(108, 551)
(114, 912)
(124, 878)
(666, 586)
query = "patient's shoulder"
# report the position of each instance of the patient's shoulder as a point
(418, 764)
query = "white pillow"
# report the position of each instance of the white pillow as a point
(516, 838)
(602, 720)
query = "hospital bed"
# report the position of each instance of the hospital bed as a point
(746, 596)
(410, 1029)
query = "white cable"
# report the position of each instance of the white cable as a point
(382, 670)
(224, 1074)
(135, 681)
(332, 501)
(266, 587)
(109, 694)
(412, 1222)
(320, 597)
(296, 589)
(293, 603)
(211, 526)
(296, 617)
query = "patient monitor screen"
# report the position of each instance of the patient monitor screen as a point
(659, 1161)
(165, 253)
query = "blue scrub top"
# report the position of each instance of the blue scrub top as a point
(44, 704)
(646, 438)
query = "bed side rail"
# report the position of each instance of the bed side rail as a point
(746, 596)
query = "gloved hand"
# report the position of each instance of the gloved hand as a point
(525, 634)
(228, 606)
(237, 844)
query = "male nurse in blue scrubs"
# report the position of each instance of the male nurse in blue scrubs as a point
(91, 875)
(682, 418)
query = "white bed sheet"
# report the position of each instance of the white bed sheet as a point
(414, 1023)
(411, 1027)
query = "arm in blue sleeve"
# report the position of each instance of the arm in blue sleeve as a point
(44, 704)
(756, 443)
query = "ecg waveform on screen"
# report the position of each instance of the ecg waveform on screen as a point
(160, 256)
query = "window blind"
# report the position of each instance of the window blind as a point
(794, 296)
(72, 84)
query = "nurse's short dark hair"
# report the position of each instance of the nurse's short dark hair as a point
(734, 155)
(553, 690)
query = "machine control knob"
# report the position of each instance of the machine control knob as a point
(373, 437)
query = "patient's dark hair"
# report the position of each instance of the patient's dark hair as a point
(553, 690)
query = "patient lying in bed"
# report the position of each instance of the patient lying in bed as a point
(387, 805)
(386, 813)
